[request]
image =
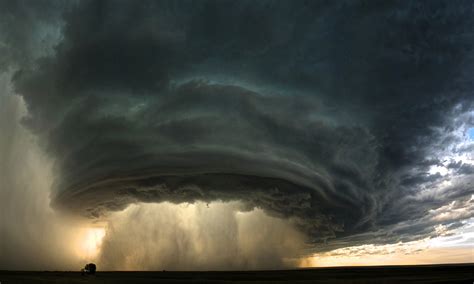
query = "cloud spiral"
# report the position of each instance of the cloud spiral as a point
(330, 113)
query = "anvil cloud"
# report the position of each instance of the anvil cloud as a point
(331, 113)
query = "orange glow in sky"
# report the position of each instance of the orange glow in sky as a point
(89, 242)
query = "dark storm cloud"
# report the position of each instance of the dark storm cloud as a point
(28, 29)
(329, 112)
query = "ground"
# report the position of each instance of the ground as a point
(463, 273)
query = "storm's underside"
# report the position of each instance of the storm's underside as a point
(331, 113)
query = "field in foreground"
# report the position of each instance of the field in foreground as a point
(462, 273)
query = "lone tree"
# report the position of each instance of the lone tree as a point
(89, 269)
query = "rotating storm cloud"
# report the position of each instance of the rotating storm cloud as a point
(233, 134)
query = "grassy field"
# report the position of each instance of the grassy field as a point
(463, 273)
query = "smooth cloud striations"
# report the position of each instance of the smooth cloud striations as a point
(331, 114)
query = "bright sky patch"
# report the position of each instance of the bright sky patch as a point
(470, 133)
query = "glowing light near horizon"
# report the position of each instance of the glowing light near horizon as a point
(89, 242)
(444, 249)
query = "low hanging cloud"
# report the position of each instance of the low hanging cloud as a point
(330, 114)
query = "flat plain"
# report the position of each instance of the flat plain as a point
(452, 273)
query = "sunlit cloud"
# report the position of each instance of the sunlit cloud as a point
(449, 247)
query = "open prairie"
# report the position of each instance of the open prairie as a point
(463, 273)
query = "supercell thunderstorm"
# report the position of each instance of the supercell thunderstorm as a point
(332, 114)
